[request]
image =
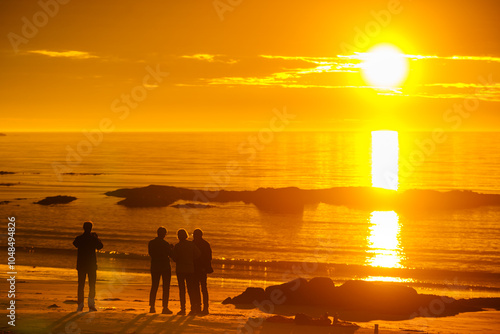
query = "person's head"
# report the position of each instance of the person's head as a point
(87, 226)
(161, 231)
(197, 234)
(182, 234)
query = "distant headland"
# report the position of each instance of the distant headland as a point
(293, 200)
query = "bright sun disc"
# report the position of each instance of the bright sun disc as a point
(384, 66)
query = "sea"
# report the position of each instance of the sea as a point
(449, 252)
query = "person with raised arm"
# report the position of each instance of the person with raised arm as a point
(86, 263)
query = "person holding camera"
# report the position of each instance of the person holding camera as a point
(86, 263)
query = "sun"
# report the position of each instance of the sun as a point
(384, 66)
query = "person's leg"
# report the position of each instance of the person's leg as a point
(155, 281)
(92, 279)
(202, 278)
(81, 288)
(182, 291)
(166, 276)
(194, 293)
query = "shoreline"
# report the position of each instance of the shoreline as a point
(456, 284)
(123, 306)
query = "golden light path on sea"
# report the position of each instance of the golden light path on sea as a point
(383, 240)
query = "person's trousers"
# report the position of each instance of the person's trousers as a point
(189, 280)
(82, 275)
(201, 279)
(155, 282)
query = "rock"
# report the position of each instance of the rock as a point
(192, 206)
(4, 202)
(320, 291)
(280, 319)
(53, 306)
(56, 200)
(488, 302)
(152, 196)
(363, 300)
(70, 301)
(139, 201)
(292, 292)
(2, 172)
(112, 299)
(292, 200)
(72, 173)
(228, 300)
(249, 296)
(305, 320)
(281, 200)
(381, 297)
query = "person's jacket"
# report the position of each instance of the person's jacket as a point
(203, 264)
(159, 250)
(185, 252)
(87, 243)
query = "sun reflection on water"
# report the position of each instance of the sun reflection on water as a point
(389, 279)
(383, 241)
(385, 159)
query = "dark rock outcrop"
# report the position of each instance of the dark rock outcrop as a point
(291, 292)
(56, 200)
(292, 200)
(249, 296)
(76, 174)
(362, 300)
(70, 301)
(380, 297)
(138, 201)
(151, 196)
(192, 206)
(320, 291)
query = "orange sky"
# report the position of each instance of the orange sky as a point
(230, 62)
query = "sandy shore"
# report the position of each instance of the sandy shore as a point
(122, 308)
(48, 306)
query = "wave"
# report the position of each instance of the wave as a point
(293, 199)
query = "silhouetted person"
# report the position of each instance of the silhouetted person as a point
(160, 251)
(86, 263)
(185, 252)
(202, 266)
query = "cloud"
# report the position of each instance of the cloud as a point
(340, 72)
(64, 54)
(323, 64)
(487, 59)
(211, 58)
(293, 75)
(484, 92)
(362, 55)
